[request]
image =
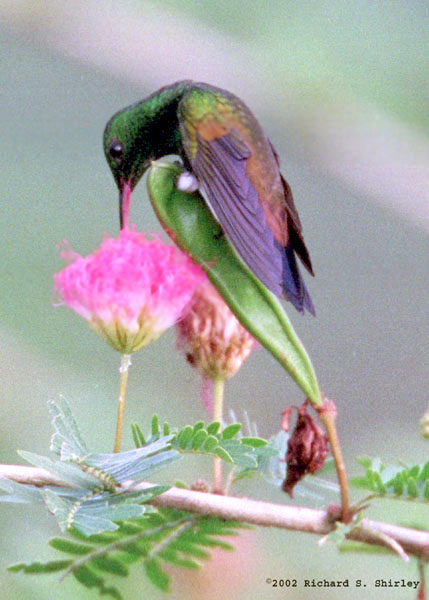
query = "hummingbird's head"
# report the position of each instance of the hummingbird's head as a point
(127, 154)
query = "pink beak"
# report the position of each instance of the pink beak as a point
(124, 203)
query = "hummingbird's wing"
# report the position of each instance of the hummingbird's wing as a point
(220, 165)
(292, 221)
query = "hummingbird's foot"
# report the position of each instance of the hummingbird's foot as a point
(187, 182)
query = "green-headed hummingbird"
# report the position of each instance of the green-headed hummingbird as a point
(227, 155)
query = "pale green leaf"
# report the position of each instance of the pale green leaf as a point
(189, 220)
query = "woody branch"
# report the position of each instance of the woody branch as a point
(400, 539)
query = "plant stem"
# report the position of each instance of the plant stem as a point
(264, 514)
(123, 382)
(218, 388)
(328, 415)
(422, 587)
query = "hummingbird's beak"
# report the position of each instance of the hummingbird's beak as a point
(124, 203)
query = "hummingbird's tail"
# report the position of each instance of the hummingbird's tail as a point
(293, 283)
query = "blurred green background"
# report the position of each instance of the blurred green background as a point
(341, 89)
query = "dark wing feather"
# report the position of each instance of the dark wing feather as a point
(220, 165)
(296, 239)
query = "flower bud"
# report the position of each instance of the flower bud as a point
(213, 339)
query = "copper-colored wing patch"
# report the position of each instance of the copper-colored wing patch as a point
(220, 165)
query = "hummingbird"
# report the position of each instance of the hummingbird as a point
(227, 156)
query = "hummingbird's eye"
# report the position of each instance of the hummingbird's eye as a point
(116, 151)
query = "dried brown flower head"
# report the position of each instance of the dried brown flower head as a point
(307, 447)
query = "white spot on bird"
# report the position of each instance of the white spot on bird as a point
(187, 182)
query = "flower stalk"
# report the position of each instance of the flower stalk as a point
(218, 396)
(327, 413)
(123, 385)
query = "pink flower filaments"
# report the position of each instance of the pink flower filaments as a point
(130, 291)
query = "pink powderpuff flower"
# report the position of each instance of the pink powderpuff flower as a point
(130, 290)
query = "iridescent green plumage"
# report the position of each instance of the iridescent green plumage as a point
(222, 144)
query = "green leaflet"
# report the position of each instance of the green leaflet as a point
(394, 481)
(190, 223)
(243, 452)
(93, 500)
(156, 540)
